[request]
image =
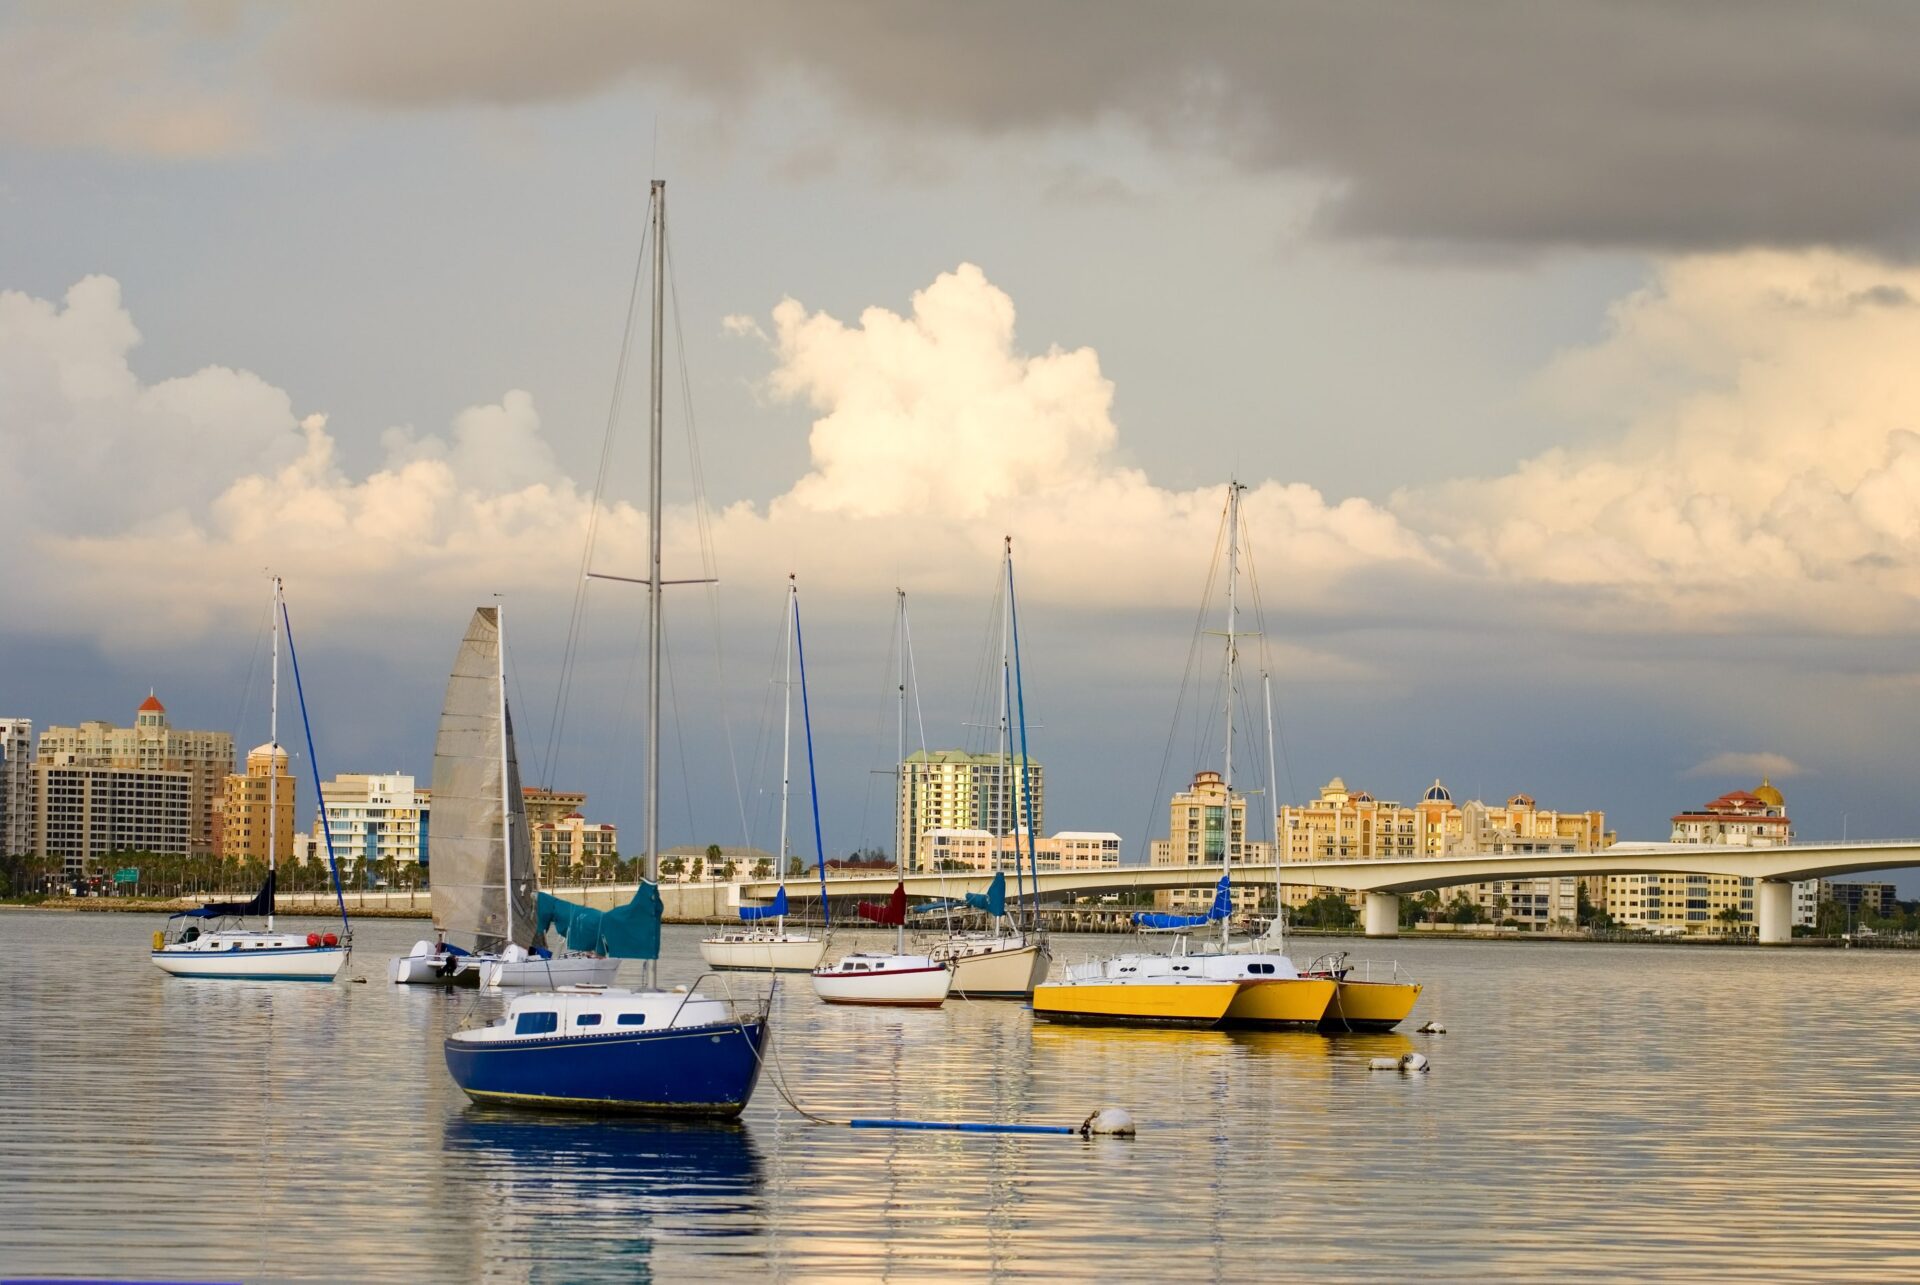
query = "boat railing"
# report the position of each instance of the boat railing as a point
(726, 988)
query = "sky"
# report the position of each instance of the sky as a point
(1565, 352)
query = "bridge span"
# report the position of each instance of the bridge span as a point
(1384, 879)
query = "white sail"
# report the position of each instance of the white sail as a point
(477, 803)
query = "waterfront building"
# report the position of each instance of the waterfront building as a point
(677, 863)
(1704, 905)
(956, 790)
(1202, 830)
(375, 818)
(83, 813)
(550, 807)
(575, 848)
(16, 787)
(1860, 898)
(256, 802)
(973, 851)
(152, 744)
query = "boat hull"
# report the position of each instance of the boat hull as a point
(788, 954)
(1134, 1003)
(434, 970)
(1287, 1001)
(902, 988)
(999, 974)
(707, 1071)
(1370, 1006)
(285, 964)
(548, 974)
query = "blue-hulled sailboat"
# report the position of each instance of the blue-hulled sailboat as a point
(605, 1050)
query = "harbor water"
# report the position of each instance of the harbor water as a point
(1594, 1109)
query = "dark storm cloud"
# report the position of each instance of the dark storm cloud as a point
(1699, 125)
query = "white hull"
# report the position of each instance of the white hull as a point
(901, 981)
(548, 974)
(783, 953)
(242, 963)
(433, 970)
(996, 969)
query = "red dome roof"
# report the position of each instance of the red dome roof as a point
(152, 705)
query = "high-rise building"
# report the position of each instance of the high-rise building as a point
(573, 845)
(259, 804)
(1697, 904)
(1858, 897)
(1203, 829)
(372, 819)
(83, 813)
(955, 790)
(16, 787)
(153, 745)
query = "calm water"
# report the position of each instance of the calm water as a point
(1599, 1109)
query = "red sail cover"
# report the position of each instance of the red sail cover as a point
(893, 912)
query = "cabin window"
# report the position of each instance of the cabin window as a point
(587, 1019)
(633, 1019)
(537, 1023)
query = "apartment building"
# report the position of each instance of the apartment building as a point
(153, 744)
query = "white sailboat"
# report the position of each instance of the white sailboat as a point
(774, 949)
(483, 877)
(239, 953)
(1006, 960)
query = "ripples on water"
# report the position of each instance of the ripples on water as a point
(1599, 1109)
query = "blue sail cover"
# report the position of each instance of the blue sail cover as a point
(261, 904)
(631, 931)
(934, 906)
(1222, 907)
(772, 910)
(994, 899)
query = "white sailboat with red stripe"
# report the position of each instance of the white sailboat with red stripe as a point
(892, 979)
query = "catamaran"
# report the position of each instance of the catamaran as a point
(1267, 990)
(237, 952)
(483, 879)
(602, 1049)
(775, 949)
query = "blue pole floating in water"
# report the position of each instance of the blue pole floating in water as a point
(962, 1126)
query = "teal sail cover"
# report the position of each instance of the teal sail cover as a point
(772, 910)
(994, 899)
(1222, 907)
(631, 931)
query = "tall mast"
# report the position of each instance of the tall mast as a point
(786, 741)
(653, 529)
(506, 790)
(1233, 569)
(1006, 730)
(900, 859)
(1273, 797)
(273, 754)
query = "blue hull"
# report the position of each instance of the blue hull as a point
(702, 1070)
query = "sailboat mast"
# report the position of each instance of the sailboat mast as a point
(273, 753)
(506, 802)
(1273, 798)
(1006, 729)
(1233, 569)
(900, 859)
(653, 528)
(786, 741)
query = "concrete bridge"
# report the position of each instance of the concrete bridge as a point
(1383, 880)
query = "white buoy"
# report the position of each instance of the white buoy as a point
(1432, 1028)
(1384, 1064)
(1115, 1122)
(1413, 1063)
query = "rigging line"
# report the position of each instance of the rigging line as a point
(576, 617)
(253, 669)
(880, 721)
(983, 714)
(1193, 651)
(514, 669)
(763, 745)
(1266, 667)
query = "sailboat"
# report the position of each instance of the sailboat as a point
(1006, 961)
(759, 948)
(604, 1049)
(1266, 989)
(484, 882)
(893, 978)
(237, 952)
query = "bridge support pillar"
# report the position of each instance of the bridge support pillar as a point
(1382, 915)
(1773, 910)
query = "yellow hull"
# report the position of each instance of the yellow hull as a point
(1370, 1006)
(1172, 1004)
(1283, 1002)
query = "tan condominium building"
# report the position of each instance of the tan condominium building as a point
(258, 808)
(153, 745)
(374, 818)
(1205, 828)
(82, 814)
(550, 807)
(1346, 824)
(973, 851)
(576, 848)
(1696, 905)
(956, 790)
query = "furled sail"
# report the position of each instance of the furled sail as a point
(772, 910)
(994, 899)
(1222, 907)
(477, 803)
(631, 931)
(892, 911)
(261, 904)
